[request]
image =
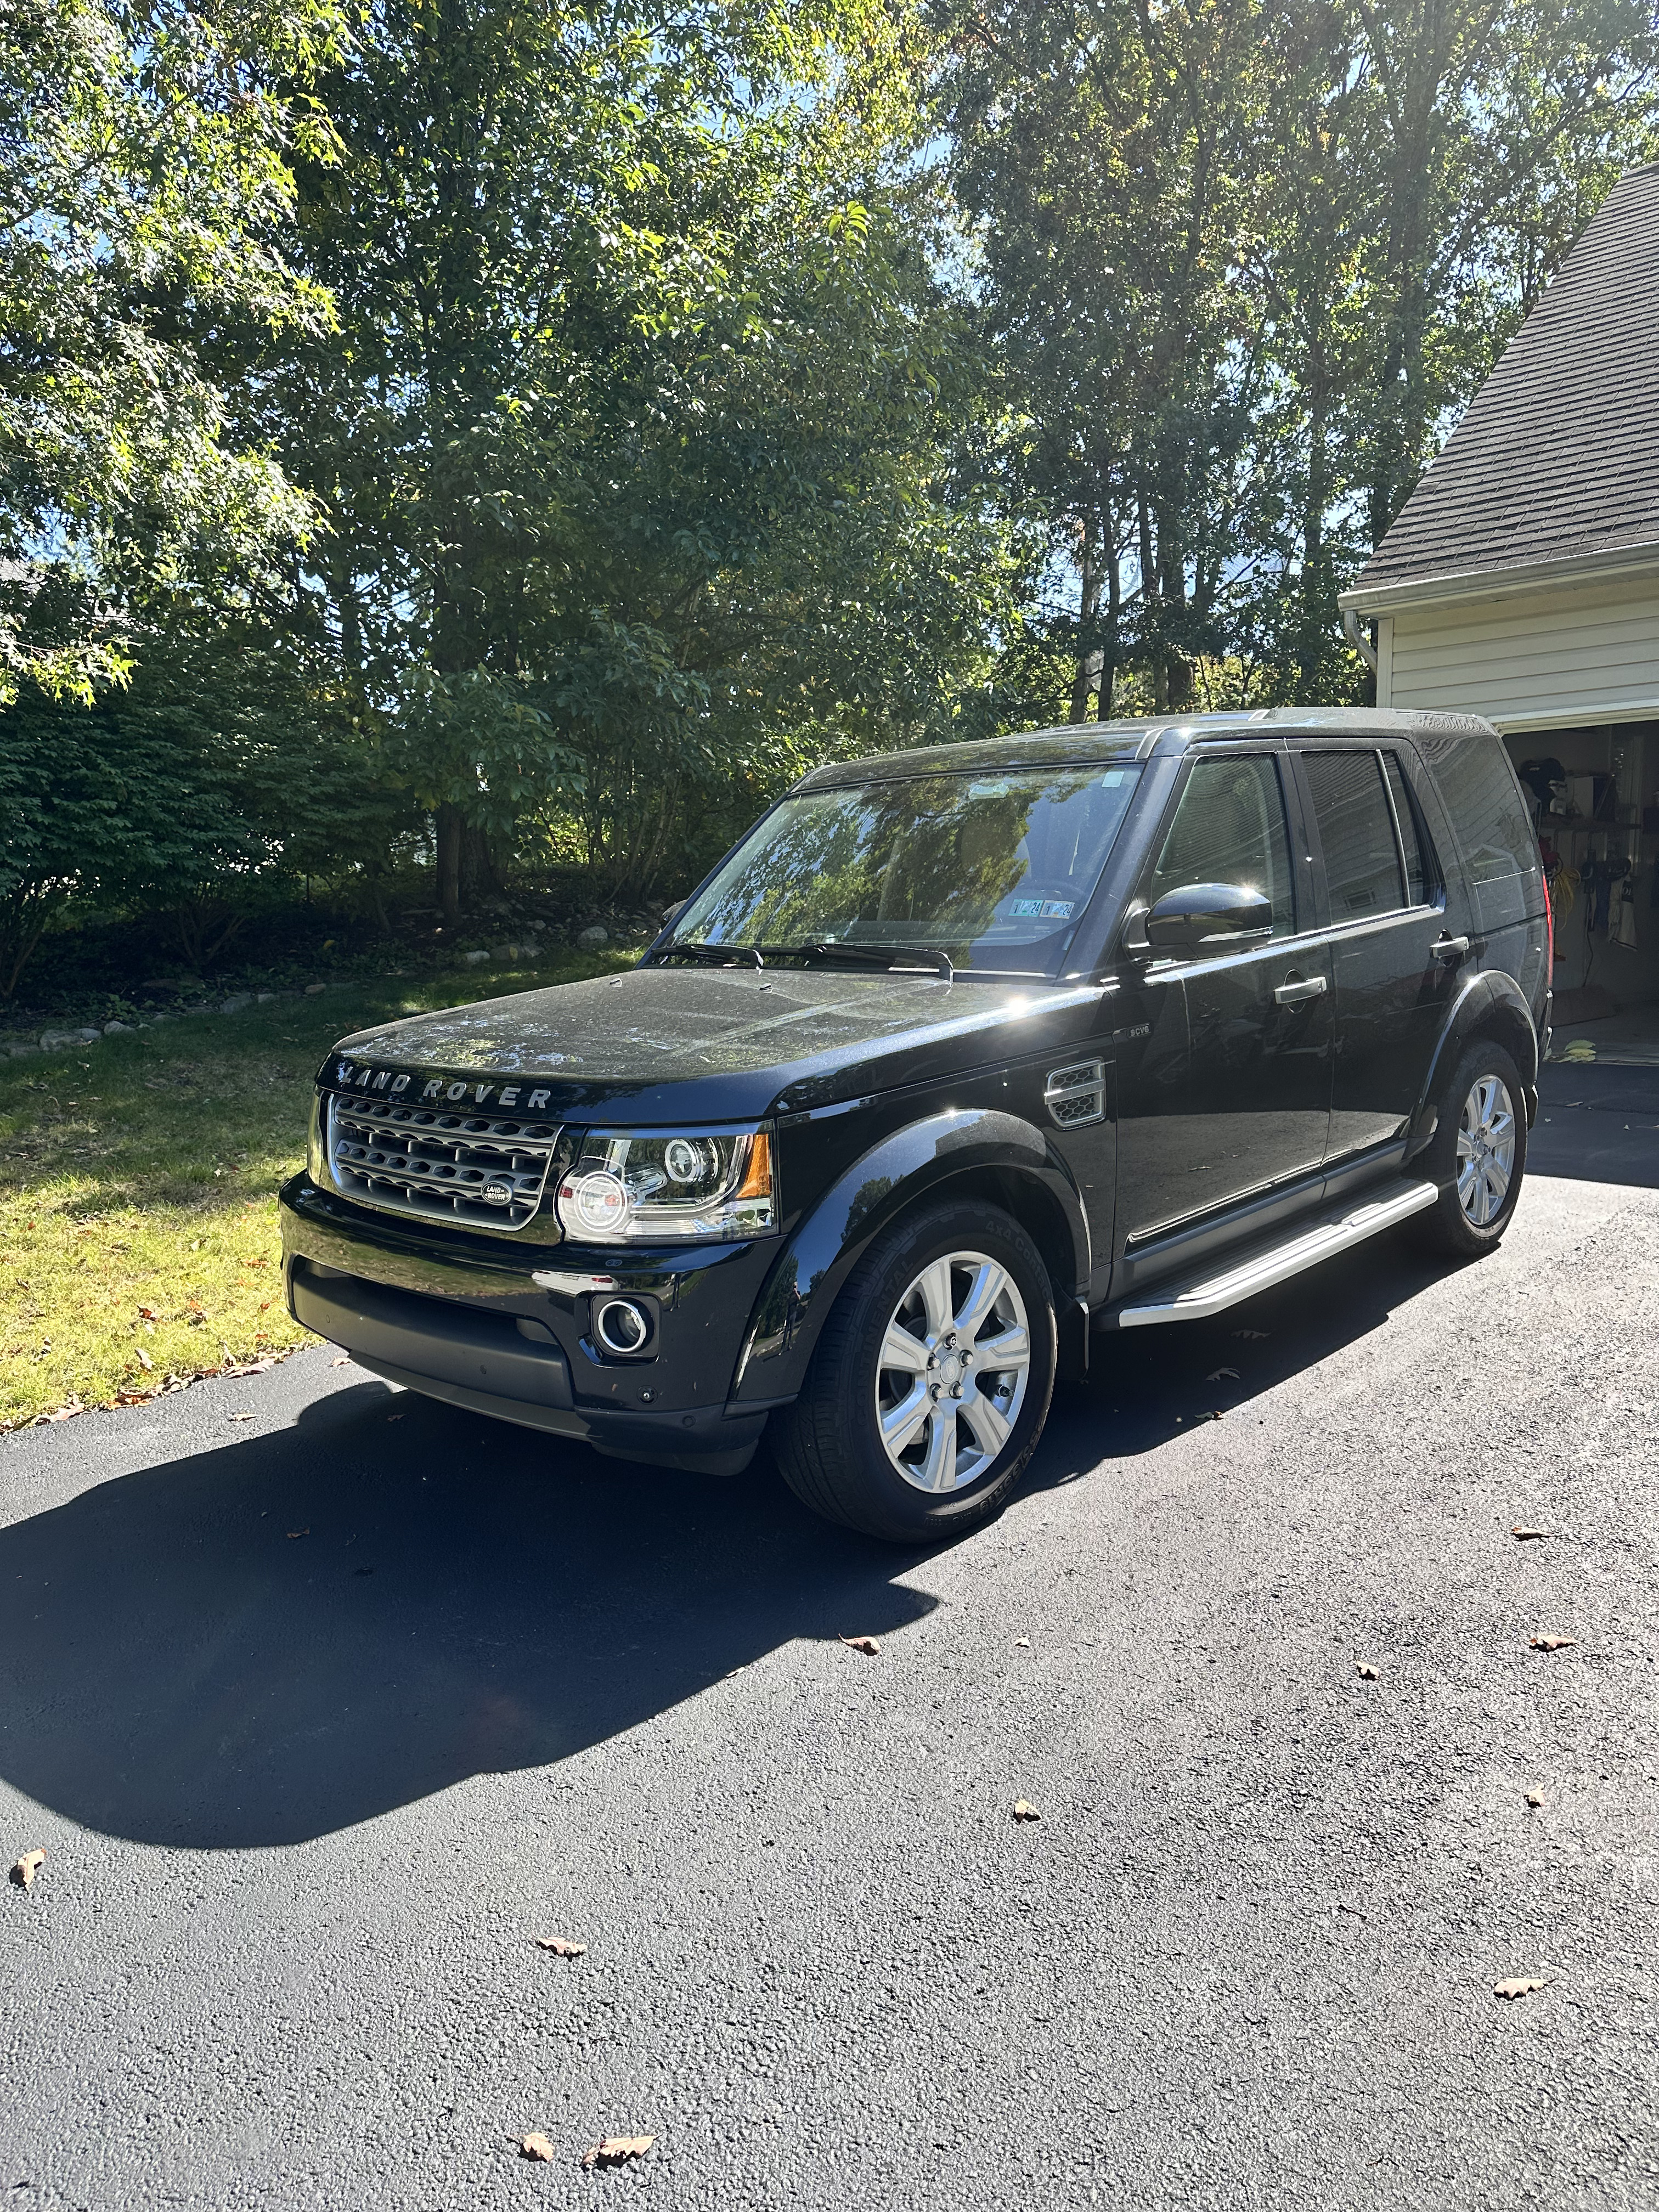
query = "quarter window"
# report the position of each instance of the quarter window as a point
(1229, 828)
(1355, 832)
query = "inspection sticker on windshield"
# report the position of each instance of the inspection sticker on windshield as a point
(1042, 909)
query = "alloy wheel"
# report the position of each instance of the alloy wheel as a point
(1486, 1150)
(951, 1374)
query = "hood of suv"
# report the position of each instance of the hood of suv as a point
(721, 1044)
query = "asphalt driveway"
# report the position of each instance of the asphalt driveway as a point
(325, 1702)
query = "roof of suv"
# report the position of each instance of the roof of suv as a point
(1080, 743)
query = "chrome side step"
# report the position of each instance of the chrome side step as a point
(1349, 1225)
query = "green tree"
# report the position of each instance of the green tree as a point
(144, 187)
(643, 441)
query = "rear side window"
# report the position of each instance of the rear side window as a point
(1484, 800)
(1421, 881)
(1356, 830)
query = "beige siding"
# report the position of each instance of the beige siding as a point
(1587, 654)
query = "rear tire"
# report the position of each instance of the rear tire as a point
(1478, 1154)
(931, 1382)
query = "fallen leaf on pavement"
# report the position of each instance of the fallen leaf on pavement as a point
(1526, 1536)
(1555, 1642)
(1223, 1374)
(1535, 1798)
(344, 1360)
(1024, 1811)
(293, 1533)
(1520, 1986)
(239, 1416)
(1366, 1671)
(26, 1868)
(536, 2147)
(1021, 1644)
(561, 1946)
(867, 1645)
(616, 2148)
(1252, 1336)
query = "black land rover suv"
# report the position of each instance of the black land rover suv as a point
(959, 1059)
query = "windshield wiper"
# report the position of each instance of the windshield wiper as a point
(714, 956)
(876, 955)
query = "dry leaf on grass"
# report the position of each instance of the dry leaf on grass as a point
(1366, 1671)
(1223, 1374)
(1535, 1798)
(867, 1645)
(615, 2149)
(561, 1946)
(1520, 1986)
(145, 1361)
(1555, 1642)
(26, 1868)
(1024, 1811)
(536, 2147)
(1525, 1535)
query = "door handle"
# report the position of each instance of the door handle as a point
(1296, 988)
(1449, 948)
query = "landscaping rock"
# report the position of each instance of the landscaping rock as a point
(504, 953)
(593, 937)
(21, 1050)
(314, 989)
(236, 1001)
(264, 997)
(474, 959)
(54, 1039)
(118, 1029)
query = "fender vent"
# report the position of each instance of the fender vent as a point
(1076, 1096)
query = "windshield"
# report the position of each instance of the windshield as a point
(992, 870)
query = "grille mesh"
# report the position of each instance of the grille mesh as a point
(427, 1161)
(1076, 1096)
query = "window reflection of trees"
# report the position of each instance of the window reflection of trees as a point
(925, 861)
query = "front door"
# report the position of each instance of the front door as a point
(1396, 963)
(1250, 1110)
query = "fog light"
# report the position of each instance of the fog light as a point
(621, 1326)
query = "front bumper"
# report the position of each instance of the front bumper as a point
(464, 1319)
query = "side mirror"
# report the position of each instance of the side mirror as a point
(1213, 917)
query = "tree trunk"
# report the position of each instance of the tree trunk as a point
(449, 862)
(1087, 674)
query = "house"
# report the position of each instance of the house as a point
(1521, 581)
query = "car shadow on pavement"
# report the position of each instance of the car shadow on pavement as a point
(1148, 1386)
(265, 1643)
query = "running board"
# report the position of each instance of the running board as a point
(1335, 1232)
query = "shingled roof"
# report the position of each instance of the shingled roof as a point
(1557, 459)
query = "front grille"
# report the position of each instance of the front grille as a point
(487, 1171)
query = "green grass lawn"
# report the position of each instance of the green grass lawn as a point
(138, 1179)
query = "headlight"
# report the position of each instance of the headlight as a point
(693, 1183)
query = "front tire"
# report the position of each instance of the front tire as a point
(1478, 1154)
(931, 1382)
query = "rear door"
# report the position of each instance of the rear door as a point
(1395, 962)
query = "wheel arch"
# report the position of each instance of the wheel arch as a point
(999, 1157)
(1490, 1005)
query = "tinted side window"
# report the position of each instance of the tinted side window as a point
(1421, 882)
(1356, 829)
(1229, 828)
(1484, 801)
